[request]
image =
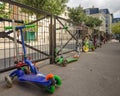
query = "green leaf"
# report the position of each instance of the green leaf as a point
(52, 6)
(77, 14)
(116, 28)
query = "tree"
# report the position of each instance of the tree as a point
(4, 13)
(116, 28)
(92, 22)
(52, 6)
(77, 14)
(55, 6)
(2, 7)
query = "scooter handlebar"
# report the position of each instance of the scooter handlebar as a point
(30, 26)
(26, 26)
(8, 27)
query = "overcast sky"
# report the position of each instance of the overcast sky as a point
(112, 5)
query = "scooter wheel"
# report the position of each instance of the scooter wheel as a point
(8, 81)
(58, 80)
(86, 49)
(51, 89)
(64, 63)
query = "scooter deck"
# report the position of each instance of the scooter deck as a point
(38, 78)
(71, 59)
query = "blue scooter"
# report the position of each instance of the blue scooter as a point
(26, 71)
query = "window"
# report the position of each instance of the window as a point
(65, 13)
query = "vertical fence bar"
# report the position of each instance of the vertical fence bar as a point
(54, 31)
(52, 40)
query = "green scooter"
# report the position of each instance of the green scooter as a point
(60, 59)
(64, 61)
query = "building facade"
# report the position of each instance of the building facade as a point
(108, 19)
(102, 14)
(65, 13)
(90, 11)
(94, 12)
(102, 18)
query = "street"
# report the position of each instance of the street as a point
(94, 74)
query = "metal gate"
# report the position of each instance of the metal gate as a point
(47, 34)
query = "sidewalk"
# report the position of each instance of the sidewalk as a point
(95, 74)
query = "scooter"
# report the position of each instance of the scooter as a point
(88, 45)
(60, 59)
(26, 71)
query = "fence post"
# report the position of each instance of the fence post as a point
(52, 40)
